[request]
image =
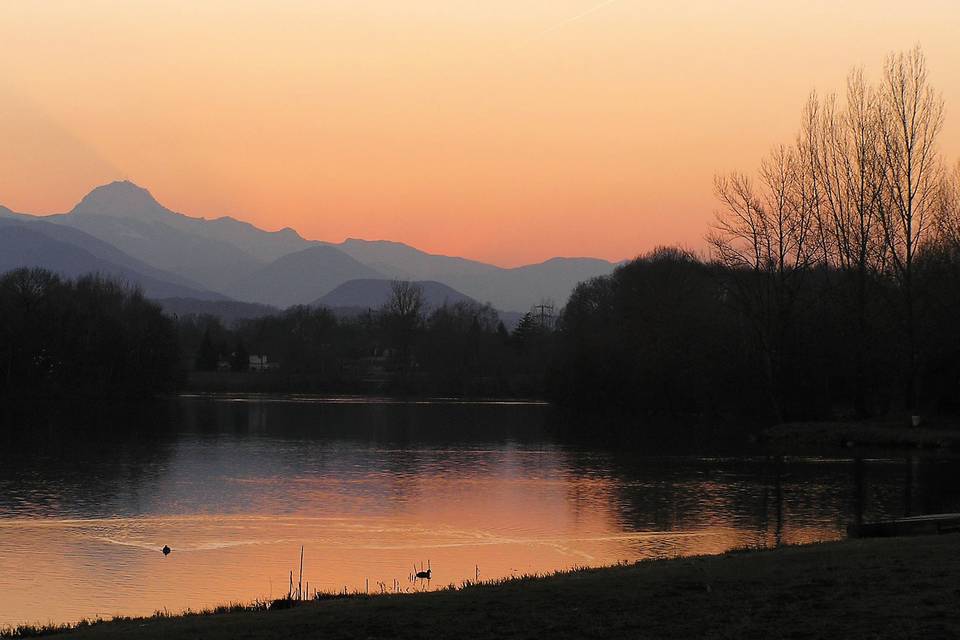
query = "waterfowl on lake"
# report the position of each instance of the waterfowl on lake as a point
(423, 574)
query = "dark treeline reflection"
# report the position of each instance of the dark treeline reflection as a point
(236, 486)
(87, 460)
(200, 454)
(186, 453)
(382, 423)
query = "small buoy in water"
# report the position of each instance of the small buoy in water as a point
(166, 550)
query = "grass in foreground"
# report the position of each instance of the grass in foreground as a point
(899, 587)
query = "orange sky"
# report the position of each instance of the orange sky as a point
(503, 131)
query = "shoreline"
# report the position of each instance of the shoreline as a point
(355, 398)
(892, 587)
(936, 434)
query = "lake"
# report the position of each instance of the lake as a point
(371, 489)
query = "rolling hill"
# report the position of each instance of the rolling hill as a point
(369, 293)
(299, 278)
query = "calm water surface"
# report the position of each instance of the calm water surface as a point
(236, 485)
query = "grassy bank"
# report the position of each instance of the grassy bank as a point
(900, 587)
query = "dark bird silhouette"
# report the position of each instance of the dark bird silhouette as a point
(424, 574)
(166, 550)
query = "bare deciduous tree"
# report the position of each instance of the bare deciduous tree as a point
(862, 192)
(406, 300)
(402, 316)
(847, 162)
(771, 236)
(911, 115)
(948, 211)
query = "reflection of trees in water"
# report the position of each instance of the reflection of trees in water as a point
(662, 479)
(674, 484)
(380, 456)
(84, 462)
(376, 423)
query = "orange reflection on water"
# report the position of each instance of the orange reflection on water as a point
(513, 515)
(370, 490)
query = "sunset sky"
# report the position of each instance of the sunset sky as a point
(502, 131)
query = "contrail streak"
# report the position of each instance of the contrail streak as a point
(583, 14)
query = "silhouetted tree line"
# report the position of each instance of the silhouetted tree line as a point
(833, 284)
(832, 287)
(84, 338)
(460, 349)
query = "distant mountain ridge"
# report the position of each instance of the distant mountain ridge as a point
(126, 200)
(100, 249)
(39, 244)
(228, 257)
(513, 289)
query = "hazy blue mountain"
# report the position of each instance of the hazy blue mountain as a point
(127, 201)
(25, 244)
(282, 268)
(265, 246)
(228, 311)
(511, 289)
(552, 280)
(123, 199)
(369, 293)
(299, 278)
(106, 251)
(404, 262)
(212, 253)
(128, 217)
(6, 213)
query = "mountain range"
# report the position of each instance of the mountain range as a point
(120, 230)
